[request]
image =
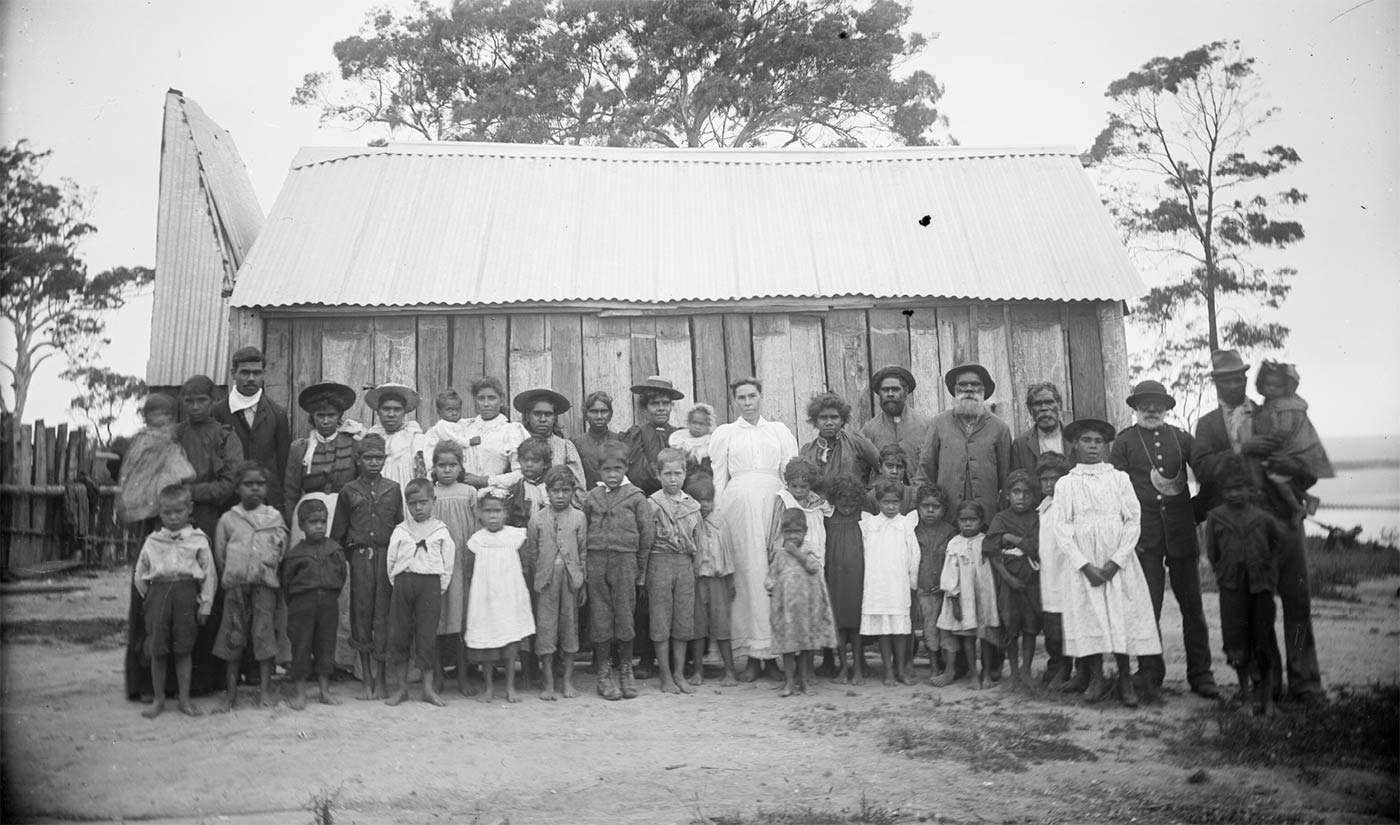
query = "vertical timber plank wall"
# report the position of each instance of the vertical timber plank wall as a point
(528, 360)
(808, 369)
(1037, 354)
(993, 352)
(772, 358)
(1085, 364)
(955, 346)
(674, 361)
(889, 338)
(924, 362)
(710, 375)
(277, 367)
(347, 356)
(495, 349)
(308, 367)
(607, 364)
(643, 332)
(468, 356)
(566, 367)
(434, 367)
(848, 361)
(396, 356)
(1114, 343)
(738, 359)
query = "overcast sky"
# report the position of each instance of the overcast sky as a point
(87, 78)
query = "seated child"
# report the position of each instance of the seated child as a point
(556, 557)
(798, 608)
(528, 494)
(176, 580)
(694, 440)
(498, 606)
(1013, 548)
(248, 546)
(714, 586)
(1244, 544)
(969, 600)
(1300, 459)
(1053, 570)
(312, 575)
(891, 574)
(621, 527)
(368, 510)
(894, 464)
(454, 503)
(932, 533)
(845, 575)
(420, 559)
(670, 570)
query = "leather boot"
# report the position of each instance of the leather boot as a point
(1127, 692)
(607, 686)
(629, 686)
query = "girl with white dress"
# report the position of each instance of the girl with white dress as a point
(498, 604)
(891, 575)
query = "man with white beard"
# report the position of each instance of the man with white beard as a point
(1155, 456)
(968, 450)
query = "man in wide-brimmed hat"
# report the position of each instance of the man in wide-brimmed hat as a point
(894, 421)
(539, 410)
(1046, 433)
(968, 450)
(656, 397)
(1230, 429)
(260, 423)
(1155, 456)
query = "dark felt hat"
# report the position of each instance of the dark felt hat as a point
(1078, 427)
(1150, 389)
(337, 395)
(988, 384)
(523, 400)
(1227, 361)
(655, 384)
(893, 371)
(409, 395)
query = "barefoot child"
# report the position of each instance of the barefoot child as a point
(312, 575)
(1049, 468)
(891, 574)
(621, 526)
(714, 586)
(799, 608)
(498, 606)
(368, 510)
(1013, 548)
(800, 477)
(176, 581)
(968, 599)
(556, 557)
(670, 571)
(845, 575)
(454, 503)
(932, 533)
(420, 559)
(1244, 543)
(248, 547)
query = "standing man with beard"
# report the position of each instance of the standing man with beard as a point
(895, 423)
(968, 450)
(1043, 401)
(1155, 456)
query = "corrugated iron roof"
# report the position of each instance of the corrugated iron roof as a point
(464, 224)
(207, 219)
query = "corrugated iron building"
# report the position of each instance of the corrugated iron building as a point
(590, 268)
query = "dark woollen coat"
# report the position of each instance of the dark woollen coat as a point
(267, 442)
(1168, 523)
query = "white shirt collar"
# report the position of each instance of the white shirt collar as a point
(238, 402)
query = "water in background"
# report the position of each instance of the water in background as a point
(1366, 491)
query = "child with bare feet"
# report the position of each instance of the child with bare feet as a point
(968, 598)
(555, 561)
(1013, 548)
(798, 608)
(248, 546)
(498, 604)
(313, 574)
(891, 574)
(454, 503)
(845, 574)
(670, 570)
(176, 579)
(420, 559)
(365, 516)
(933, 533)
(714, 586)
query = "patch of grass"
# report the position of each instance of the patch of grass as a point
(105, 633)
(1334, 574)
(322, 804)
(1009, 744)
(1356, 729)
(867, 814)
(1146, 808)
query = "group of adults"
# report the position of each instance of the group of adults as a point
(966, 449)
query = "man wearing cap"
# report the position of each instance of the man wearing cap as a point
(649, 436)
(968, 450)
(1043, 402)
(539, 410)
(260, 423)
(1155, 456)
(895, 422)
(403, 437)
(1230, 429)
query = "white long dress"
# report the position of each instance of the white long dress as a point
(498, 605)
(1097, 520)
(1052, 561)
(748, 460)
(891, 573)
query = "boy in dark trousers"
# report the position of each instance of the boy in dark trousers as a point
(369, 509)
(621, 531)
(1244, 543)
(313, 574)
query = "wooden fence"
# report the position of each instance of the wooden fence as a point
(55, 510)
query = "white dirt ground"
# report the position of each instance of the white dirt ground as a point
(75, 749)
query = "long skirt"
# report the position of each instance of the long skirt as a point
(746, 508)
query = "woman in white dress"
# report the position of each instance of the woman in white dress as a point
(748, 457)
(1107, 607)
(491, 438)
